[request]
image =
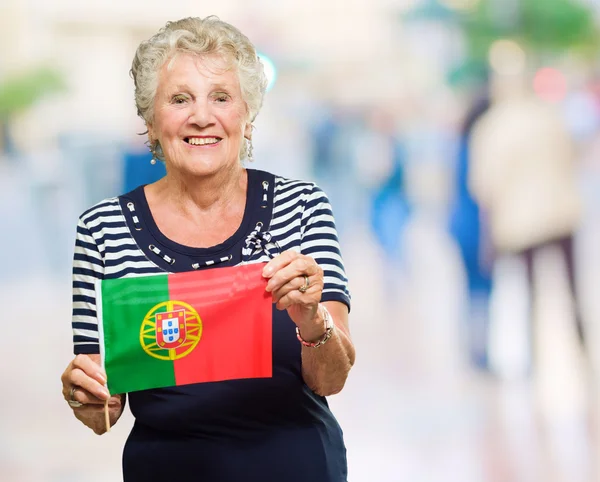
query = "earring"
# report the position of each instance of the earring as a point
(249, 155)
(152, 148)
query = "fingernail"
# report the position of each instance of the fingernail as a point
(267, 271)
(101, 377)
(104, 392)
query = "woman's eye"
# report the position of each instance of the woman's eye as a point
(222, 98)
(179, 99)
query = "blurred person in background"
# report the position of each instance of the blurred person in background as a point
(468, 231)
(523, 175)
(332, 132)
(384, 179)
(139, 167)
(199, 86)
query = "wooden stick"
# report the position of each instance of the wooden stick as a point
(106, 416)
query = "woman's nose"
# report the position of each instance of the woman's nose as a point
(201, 114)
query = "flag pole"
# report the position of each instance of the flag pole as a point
(98, 289)
(106, 416)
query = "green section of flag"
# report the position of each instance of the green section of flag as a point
(125, 304)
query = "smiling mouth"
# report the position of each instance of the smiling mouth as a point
(202, 141)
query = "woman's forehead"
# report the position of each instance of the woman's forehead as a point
(208, 65)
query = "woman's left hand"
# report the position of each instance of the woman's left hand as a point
(288, 273)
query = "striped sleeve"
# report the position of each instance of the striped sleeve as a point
(320, 240)
(88, 266)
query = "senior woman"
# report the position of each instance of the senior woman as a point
(198, 86)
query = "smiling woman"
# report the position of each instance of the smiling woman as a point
(199, 85)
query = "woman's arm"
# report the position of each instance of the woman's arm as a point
(325, 368)
(84, 374)
(309, 283)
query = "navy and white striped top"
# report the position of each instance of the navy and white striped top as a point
(267, 429)
(107, 245)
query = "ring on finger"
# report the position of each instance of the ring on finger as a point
(305, 286)
(72, 402)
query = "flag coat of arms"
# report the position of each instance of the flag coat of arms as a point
(175, 329)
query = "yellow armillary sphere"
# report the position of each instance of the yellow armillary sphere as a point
(170, 330)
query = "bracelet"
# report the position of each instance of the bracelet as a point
(329, 326)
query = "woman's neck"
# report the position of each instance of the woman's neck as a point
(202, 195)
(199, 212)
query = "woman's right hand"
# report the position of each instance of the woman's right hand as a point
(83, 387)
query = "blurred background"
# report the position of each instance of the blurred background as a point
(459, 143)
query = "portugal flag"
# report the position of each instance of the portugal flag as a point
(175, 329)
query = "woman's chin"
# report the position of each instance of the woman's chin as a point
(205, 167)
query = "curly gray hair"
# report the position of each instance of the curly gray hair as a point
(200, 36)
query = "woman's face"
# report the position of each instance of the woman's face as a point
(199, 114)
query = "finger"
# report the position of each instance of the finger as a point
(85, 397)
(89, 409)
(90, 367)
(82, 380)
(315, 286)
(113, 403)
(293, 284)
(310, 297)
(279, 262)
(285, 302)
(301, 266)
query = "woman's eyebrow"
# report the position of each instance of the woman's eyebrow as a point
(187, 88)
(181, 87)
(220, 86)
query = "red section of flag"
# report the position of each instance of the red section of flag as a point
(236, 312)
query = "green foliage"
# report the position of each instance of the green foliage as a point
(543, 27)
(20, 91)
(481, 29)
(555, 25)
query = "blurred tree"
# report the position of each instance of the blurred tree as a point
(557, 24)
(20, 91)
(543, 27)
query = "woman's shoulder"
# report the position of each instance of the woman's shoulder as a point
(106, 208)
(286, 182)
(284, 187)
(111, 206)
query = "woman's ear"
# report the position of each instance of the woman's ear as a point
(247, 131)
(151, 137)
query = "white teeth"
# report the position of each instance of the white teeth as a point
(202, 141)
